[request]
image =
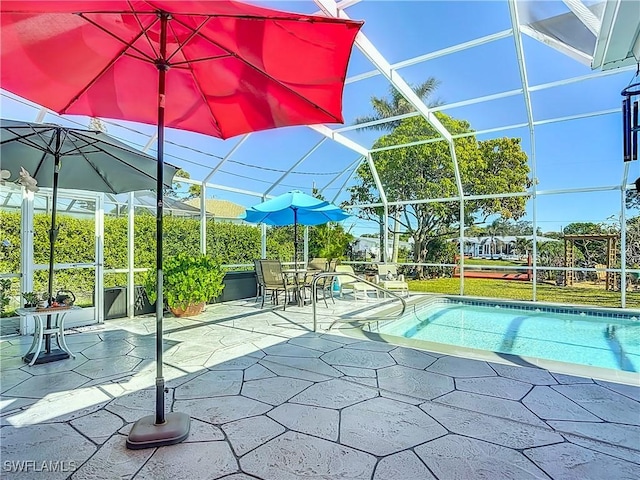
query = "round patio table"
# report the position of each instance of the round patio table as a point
(297, 274)
(56, 330)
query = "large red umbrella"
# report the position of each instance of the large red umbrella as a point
(220, 68)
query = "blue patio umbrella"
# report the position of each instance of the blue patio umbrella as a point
(293, 208)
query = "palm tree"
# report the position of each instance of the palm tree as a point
(396, 104)
(393, 106)
(523, 246)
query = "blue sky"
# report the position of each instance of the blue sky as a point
(572, 154)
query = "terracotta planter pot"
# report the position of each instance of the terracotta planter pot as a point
(191, 310)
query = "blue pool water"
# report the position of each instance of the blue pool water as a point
(591, 338)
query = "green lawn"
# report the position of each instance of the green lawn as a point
(516, 290)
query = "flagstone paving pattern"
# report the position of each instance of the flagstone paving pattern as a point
(269, 399)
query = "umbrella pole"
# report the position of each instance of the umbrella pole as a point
(57, 354)
(160, 429)
(295, 239)
(53, 235)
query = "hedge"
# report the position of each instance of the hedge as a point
(230, 243)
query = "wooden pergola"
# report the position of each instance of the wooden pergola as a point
(612, 240)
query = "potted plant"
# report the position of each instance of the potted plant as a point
(31, 299)
(189, 281)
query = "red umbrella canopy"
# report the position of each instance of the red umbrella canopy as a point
(232, 68)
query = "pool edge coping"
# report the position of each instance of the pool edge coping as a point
(354, 329)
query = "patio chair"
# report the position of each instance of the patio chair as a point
(318, 264)
(324, 285)
(348, 282)
(389, 279)
(275, 281)
(260, 290)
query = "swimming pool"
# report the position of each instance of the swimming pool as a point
(589, 337)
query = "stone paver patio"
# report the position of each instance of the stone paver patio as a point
(270, 399)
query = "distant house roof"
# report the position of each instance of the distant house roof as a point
(369, 242)
(218, 208)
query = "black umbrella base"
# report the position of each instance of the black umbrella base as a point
(146, 434)
(44, 357)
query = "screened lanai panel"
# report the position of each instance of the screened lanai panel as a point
(19, 107)
(10, 250)
(76, 237)
(556, 212)
(467, 74)
(633, 240)
(497, 282)
(431, 25)
(136, 134)
(260, 161)
(520, 132)
(10, 197)
(83, 281)
(116, 247)
(115, 236)
(594, 95)
(545, 64)
(592, 214)
(357, 104)
(579, 154)
(494, 114)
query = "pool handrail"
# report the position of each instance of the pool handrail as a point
(320, 275)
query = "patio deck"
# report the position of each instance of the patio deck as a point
(270, 399)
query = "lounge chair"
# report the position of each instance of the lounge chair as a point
(389, 279)
(350, 283)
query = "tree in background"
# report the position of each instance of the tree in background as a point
(329, 241)
(632, 197)
(523, 246)
(177, 189)
(393, 106)
(426, 171)
(632, 254)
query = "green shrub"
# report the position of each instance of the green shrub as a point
(188, 279)
(5, 294)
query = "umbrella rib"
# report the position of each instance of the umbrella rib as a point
(98, 172)
(253, 67)
(95, 143)
(193, 33)
(204, 97)
(44, 152)
(142, 29)
(197, 32)
(127, 45)
(199, 60)
(22, 136)
(110, 64)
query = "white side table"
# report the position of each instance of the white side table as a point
(56, 330)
